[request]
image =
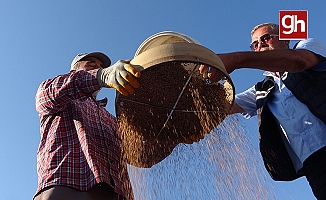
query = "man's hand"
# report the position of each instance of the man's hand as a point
(122, 76)
(211, 74)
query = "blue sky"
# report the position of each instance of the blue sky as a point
(38, 40)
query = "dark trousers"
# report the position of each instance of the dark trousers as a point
(314, 168)
(101, 191)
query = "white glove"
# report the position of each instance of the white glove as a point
(122, 76)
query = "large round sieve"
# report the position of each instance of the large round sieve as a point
(174, 102)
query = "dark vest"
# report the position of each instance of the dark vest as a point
(275, 156)
(308, 87)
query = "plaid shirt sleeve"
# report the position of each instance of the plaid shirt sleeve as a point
(53, 94)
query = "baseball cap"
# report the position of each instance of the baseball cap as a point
(101, 56)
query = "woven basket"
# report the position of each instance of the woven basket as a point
(174, 102)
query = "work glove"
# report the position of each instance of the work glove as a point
(122, 76)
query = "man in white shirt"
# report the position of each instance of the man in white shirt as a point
(295, 99)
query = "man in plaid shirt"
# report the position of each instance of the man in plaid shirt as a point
(80, 152)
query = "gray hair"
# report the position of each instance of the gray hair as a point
(271, 25)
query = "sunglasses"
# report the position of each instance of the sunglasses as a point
(264, 38)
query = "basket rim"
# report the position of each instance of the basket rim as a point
(161, 38)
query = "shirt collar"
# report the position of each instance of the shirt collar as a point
(269, 73)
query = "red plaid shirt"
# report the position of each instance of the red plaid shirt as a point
(80, 145)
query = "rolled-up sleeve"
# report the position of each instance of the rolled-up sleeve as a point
(313, 45)
(316, 47)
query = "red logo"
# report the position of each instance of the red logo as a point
(293, 24)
